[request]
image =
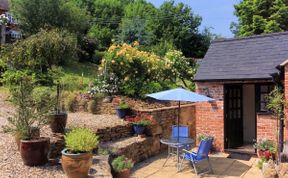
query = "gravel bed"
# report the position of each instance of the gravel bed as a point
(11, 165)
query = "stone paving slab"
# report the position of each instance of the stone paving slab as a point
(223, 167)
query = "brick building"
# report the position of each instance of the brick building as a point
(237, 73)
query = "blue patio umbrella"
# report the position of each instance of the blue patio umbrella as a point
(179, 94)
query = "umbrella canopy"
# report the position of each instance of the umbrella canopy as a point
(179, 94)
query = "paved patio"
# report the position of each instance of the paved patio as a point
(222, 167)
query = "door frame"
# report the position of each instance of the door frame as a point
(226, 109)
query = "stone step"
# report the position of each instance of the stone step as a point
(100, 167)
(135, 148)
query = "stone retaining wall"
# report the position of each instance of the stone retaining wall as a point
(167, 117)
(114, 133)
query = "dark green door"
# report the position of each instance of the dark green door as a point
(233, 116)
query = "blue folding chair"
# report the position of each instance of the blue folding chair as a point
(201, 155)
(183, 133)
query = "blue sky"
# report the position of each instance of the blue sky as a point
(216, 14)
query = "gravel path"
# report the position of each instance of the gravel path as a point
(11, 164)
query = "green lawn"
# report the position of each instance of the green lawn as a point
(77, 76)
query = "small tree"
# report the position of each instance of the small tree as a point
(32, 107)
(276, 104)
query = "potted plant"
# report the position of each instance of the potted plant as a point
(121, 166)
(32, 107)
(265, 149)
(122, 109)
(58, 119)
(77, 156)
(140, 122)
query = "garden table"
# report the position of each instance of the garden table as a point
(178, 143)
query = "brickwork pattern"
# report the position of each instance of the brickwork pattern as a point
(210, 115)
(266, 126)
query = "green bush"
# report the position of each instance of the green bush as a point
(70, 101)
(121, 163)
(123, 105)
(264, 145)
(40, 51)
(93, 106)
(32, 106)
(81, 140)
(136, 72)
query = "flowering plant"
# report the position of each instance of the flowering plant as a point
(121, 163)
(105, 85)
(265, 145)
(142, 119)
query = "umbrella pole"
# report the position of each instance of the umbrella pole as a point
(178, 118)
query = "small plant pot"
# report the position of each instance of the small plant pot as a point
(58, 122)
(138, 129)
(265, 154)
(35, 152)
(121, 113)
(76, 165)
(123, 174)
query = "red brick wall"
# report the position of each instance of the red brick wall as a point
(266, 126)
(286, 98)
(210, 115)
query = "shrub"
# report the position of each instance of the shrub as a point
(123, 105)
(70, 101)
(136, 73)
(121, 163)
(40, 51)
(32, 106)
(81, 140)
(134, 68)
(93, 106)
(264, 145)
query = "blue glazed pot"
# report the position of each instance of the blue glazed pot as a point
(121, 113)
(138, 129)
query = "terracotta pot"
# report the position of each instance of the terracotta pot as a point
(58, 122)
(123, 174)
(35, 152)
(35, 135)
(76, 165)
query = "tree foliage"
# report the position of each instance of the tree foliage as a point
(34, 15)
(260, 16)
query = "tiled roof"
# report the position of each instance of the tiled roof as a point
(245, 58)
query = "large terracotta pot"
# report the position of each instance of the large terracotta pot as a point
(58, 122)
(76, 165)
(123, 174)
(35, 135)
(35, 152)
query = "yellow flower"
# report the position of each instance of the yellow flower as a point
(136, 43)
(113, 61)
